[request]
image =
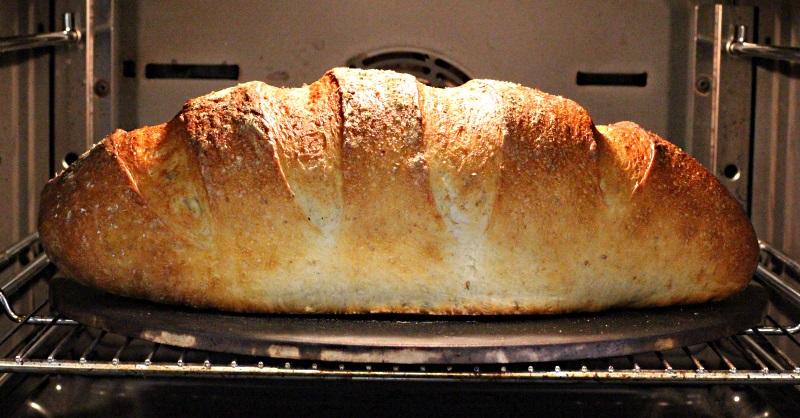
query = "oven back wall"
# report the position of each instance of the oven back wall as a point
(543, 44)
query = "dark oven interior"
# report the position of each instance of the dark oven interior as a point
(709, 75)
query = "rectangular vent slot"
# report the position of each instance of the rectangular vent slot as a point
(198, 71)
(611, 79)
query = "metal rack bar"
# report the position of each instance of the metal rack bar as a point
(762, 353)
(779, 285)
(785, 331)
(149, 360)
(17, 248)
(30, 319)
(90, 349)
(41, 336)
(738, 46)
(16, 43)
(749, 354)
(62, 343)
(19, 324)
(249, 371)
(781, 256)
(715, 348)
(696, 361)
(24, 276)
(667, 367)
(775, 349)
(252, 368)
(634, 364)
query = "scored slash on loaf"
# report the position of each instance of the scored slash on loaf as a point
(367, 191)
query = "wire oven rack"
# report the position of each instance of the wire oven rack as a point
(44, 342)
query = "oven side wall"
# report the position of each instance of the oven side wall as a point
(24, 121)
(24, 134)
(776, 141)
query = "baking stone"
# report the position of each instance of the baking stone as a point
(413, 339)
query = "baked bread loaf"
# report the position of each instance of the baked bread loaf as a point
(367, 191)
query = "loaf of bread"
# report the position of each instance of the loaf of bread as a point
(368, 192)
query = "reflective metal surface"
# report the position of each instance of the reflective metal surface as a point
(722, 99)
(83, 114)
(38, 40)
(740, 47)
(135, 397)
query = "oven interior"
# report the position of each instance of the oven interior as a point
(664, 64)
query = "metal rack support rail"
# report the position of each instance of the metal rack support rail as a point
(738, 46)
(250, 371)
(22, 278)
(778, 284)
(37, 40)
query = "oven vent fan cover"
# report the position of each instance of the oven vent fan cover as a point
(430, 68)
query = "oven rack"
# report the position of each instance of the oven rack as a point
(43, 342)
(39, 40)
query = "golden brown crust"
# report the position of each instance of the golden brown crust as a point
(368, 192)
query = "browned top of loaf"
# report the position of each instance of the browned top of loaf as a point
(393, 189)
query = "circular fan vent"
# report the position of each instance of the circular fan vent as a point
(428, 67)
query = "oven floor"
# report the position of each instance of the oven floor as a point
(76, 396)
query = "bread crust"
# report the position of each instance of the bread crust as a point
(369, 192)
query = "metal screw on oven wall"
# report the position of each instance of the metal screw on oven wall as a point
(702, 84)
(102, 88)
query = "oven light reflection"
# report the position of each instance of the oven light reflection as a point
(38, 408)
(736, 398)
(58, 387)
